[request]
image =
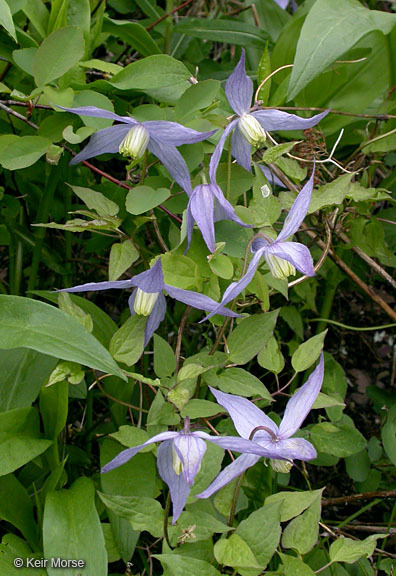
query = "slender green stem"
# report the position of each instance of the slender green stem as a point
(355, 328)
(168, 32)
(144, 169)
(234, 503)
(359, 512)
(18, 269)
(42, 217)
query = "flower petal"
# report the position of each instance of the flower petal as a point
(236, 288)
(278, 120)
(295, 253)
(178, 487)
(96, 286)
(175, 134)
(156, 317)
(172, 160)
(301, 402)
(199, 301)
(298, 211)
(239, 88)
(215, 158)
(189, 227)
(240, 149)
(201, 208)
(150, 280)
(244, 414)
(237, 444)
(223, 209)
(233, 470)
(191, 450)
(129, 453)
(291, 449)
(106, 141)
(99, 113)
(271, 177)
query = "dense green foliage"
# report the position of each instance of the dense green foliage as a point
(79, 384)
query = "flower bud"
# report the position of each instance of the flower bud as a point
(135, 142)
(283, 466)
(177, 463)
(144, 302)
(251, 130)
(279, 267)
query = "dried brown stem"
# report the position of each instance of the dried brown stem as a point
(357, 497)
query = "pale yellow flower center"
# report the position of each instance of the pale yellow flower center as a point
(279, 267)
(251, 130)
(144, 302)
(135, 142)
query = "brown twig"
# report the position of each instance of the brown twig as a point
(345, 268)
(12, 112)
(372, 263)
(119, 401)
(179, 337)
(165, 16)
(357, 497)
(209, 425)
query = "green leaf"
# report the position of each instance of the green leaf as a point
(271, 357)
(57, 54)
(20, 439)
(16, 507)
(143, 198)
(54, 408)
(330, 194)
(69, 515)
(241, 382)
(293, 566)
(66, 304)
(133, 34)
(293, 503)
(160, 76)
(96, 201)
(186, 566)
(308, 352)
(24, 59)
(331, 28)
(276, 152)
(205, 525)
(122, 256)
(101, 65)
(340, 439)
(221, 266)
(263, 71)
(179, 271)
(301, 534)
(349, 551)
(6, 19)
(18, 152)
(235, 552)
(141, 512)
(27, 323)
(388, 435)
(127, 344)
(231, 31)
(262, 531)
(197, 97)
(197, 408)
(191, 370)
(249, 337)
(358, 466)
(23, 374)
(326, 401)
(164, 358)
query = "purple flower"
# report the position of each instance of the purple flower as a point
(148, 300)
(249, 128)
(206, 206)
(180, 456)
(282, 257)
(131, 138)
(251, 423)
